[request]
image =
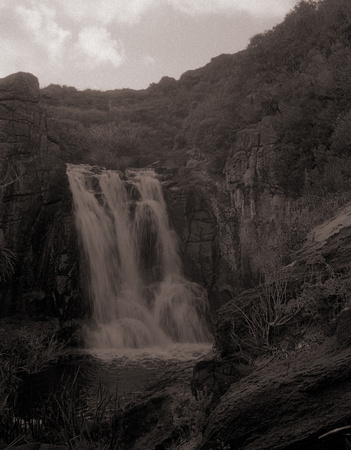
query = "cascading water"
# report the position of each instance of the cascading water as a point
(140, 297)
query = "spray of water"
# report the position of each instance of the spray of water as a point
(139, 295)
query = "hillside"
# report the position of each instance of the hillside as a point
(299, 70)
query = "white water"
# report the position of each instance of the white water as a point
(139, 295)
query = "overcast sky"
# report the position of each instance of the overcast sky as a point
(113, 44)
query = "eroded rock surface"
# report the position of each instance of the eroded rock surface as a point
(286, 405)
(302, 390)
(36, 220)
(199, 210)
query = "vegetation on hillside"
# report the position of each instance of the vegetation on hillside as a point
(300, 70)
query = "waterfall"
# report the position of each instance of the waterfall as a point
(139, 295)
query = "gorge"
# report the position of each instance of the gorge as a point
(51, 276)
(248, 272)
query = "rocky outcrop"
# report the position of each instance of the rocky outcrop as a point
(286, 405)
(298, 392)
(257, 203)
(36, 220)
(200, 213)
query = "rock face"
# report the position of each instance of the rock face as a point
(255, 200)
(286, 405)
(36, 220)
(224, 225)
(200, 213)
(295, 396)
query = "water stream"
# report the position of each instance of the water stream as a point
(141, 301)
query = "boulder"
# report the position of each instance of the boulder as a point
(286, 404)
(20, 86)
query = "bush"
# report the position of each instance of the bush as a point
(59, 415)
(190, 417)
(325, 294)
(341, 139)
(8, 259)
(22, 353)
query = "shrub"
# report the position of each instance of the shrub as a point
(190, 417)
(8, 259)
(341, 139)
(22, 353)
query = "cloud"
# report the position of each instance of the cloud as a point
(59, 39)
(59, 27)
(252, 7)
(17, 57)
(106, 11)
(97, 43)
(40, 22)
(148, 60)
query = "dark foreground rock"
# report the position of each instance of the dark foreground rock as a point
(286, 404)
(39, 446)
(304, 391)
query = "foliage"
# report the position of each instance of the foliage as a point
(325, 293)
(294, 224)
(256, 325)
(302, 66)
(341, 138)
(77, 424)
(8, 260)
(21, 354)
(60, 417)
(190, 417)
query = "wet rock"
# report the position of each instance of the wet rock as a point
(200, 214)
(147, 424)
(214, 375)
(70, 333)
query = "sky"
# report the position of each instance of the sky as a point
(115, 44)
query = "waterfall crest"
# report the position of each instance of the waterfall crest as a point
(139, 295)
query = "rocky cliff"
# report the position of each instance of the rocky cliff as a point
(36, 221)
(257, 202)
(200, 212)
